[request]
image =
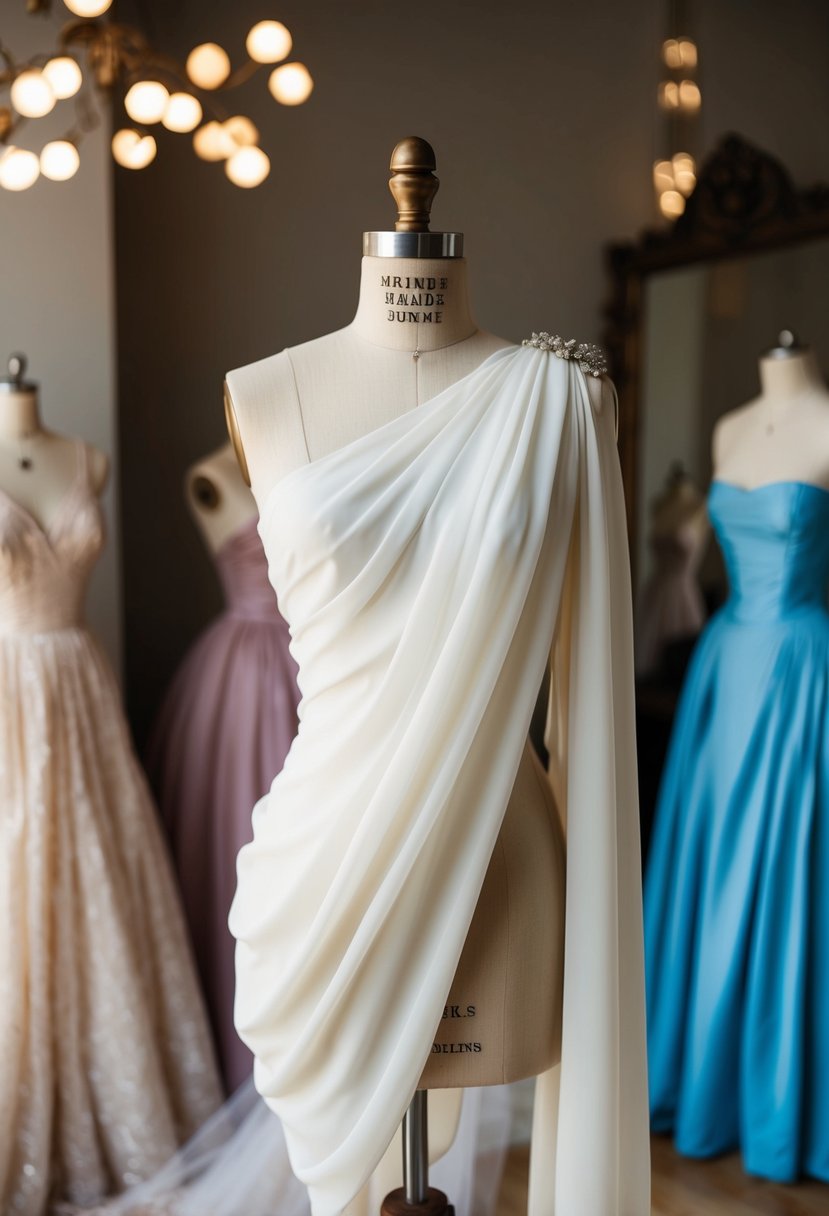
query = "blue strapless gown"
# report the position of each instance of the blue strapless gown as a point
(737, 886)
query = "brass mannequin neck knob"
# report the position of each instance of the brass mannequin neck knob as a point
(413, 186)
(413, 183)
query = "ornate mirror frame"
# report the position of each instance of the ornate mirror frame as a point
(744, 202)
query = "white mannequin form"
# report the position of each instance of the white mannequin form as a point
(412, 337)
(781, 435)
(296, 407)
(37, 466)
(219, 501)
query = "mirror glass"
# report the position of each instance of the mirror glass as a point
(704, 328)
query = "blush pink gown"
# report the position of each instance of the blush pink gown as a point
(221, 737)
(106, 1064)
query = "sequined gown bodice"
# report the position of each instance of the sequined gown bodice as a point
(775, 541)
(105, 1059)
(44, 569)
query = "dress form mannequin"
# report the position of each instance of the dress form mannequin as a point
(37, 466)
(414, 335)
(218, 498)
(783, 434)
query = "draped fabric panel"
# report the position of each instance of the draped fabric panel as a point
(426, 570)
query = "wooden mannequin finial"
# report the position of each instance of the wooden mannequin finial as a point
(413, 183)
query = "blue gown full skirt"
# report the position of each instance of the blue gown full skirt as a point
(737, 885)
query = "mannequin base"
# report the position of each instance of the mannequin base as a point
(436, 1204)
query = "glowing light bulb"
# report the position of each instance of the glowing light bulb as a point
(133, 150)
(183, 112)
(291, 84)
(688, 54)
(87, 8)
(268, 42)
(59, 160)
(684, 170)
(146, 101)
(213, 142)
(663, 175)
(671, 54)
(19, 169)
(64, 76)
(248, 167)
(690, 97)
(32, 95)
(671, 204)
(208, 65)
(668, 95)
(241, 130)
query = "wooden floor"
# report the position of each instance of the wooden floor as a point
(690, 1188)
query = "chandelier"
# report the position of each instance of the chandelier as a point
(101, 56)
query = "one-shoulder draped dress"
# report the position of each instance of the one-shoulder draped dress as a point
(427, 571)
(737, 888)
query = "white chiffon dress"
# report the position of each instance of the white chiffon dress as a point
(428, 570)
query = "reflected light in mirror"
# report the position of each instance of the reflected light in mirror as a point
(59, 160)
(248, 167)
(182, 113)
(146, 101)
(32, 95)
(213, 142)
(131, 149)
(19, 169)
(268, 42)
(291, 84)
(208, 65)
(87, 8)
(64, 76)
(671, 204)
(241, 130)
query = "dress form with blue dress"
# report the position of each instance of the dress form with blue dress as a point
(737, 887)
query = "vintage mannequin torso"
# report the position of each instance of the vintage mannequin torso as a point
(502, 1020)
(782, 435)
(681, 508)
(219, 501)
(37, 466)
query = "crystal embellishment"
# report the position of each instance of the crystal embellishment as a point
(590, 358)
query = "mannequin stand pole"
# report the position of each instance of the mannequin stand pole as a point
(416, 1197)
(416, 1149)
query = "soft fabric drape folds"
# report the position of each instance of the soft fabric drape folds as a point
(426, 570)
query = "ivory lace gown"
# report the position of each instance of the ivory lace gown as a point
(105, 1059)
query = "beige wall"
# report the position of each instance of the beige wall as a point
(57, 298)
(543, 119)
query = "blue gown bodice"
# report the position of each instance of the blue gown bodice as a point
(775, 540)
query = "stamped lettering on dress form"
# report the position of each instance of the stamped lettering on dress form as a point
(414, 297)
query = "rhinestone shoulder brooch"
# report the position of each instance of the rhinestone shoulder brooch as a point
(590, 358)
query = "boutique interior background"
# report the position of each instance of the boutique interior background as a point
(57, 303)
(545, 127)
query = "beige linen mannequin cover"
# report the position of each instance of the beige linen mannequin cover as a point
(427, 570)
